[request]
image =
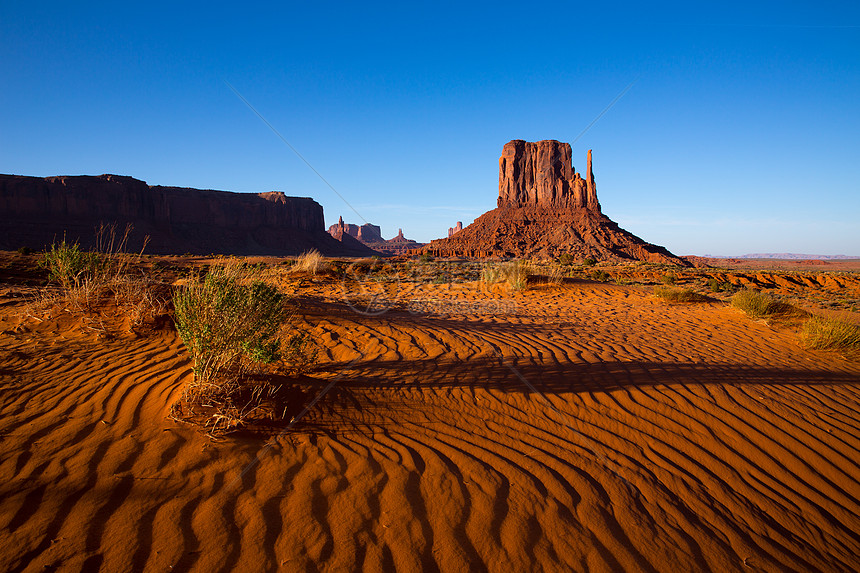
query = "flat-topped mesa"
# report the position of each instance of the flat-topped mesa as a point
(541, 173)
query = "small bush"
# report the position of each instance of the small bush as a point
(589, 262)
(667, 279)
(820, 332)
(600, 275)
(226, 319)
(426, 258)
(759, 305)
(565, 259)
(717, 286)
(68, 265)
(25, 251)
(670, 294)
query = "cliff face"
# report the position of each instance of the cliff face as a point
(545, 209)
(36, 210)
(541, 173)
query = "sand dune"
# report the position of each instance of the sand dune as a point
(660, 438)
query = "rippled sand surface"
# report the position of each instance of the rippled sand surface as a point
(579, 427)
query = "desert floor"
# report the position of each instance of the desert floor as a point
(582, 426)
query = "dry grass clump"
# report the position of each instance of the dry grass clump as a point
(310, 262)
(515, 273)
(670, 294)
(89, 279)
(760, 305)
(555, 275)
(830, 333)
(234, 325)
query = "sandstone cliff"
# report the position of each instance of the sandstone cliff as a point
(35, 211)
(541, 173)
(545, 209)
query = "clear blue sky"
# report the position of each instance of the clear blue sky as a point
(740, 134)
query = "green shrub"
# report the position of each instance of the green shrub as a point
(668, 279)
(717, 286)
(68, 265)
(600, 275)
(227, 318)
(565, 259)
(589, 262)
(670, 294)
(821, 332)
(759, 305)
(426, 258)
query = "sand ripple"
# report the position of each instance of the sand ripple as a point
(660, 438)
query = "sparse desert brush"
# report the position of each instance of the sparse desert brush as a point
(589, 262)
(565, 259)
(670, 294)
(227, 318)
(668, 279)
(233, 324)
(760, 305)
(86, 277)
(555, 275)
(68, 265)
(599, 275)
(310, 262)
(829, 332)
(717, 286)
(515, 273)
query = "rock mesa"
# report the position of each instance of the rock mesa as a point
(36, 211)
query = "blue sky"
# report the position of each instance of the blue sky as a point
(740, 133)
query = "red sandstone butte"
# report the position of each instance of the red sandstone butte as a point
(545, 208)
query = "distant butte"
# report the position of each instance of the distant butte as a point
(370, 236)
(545, 208)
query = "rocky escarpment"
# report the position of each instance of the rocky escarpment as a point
(545, 209)
(36, 211)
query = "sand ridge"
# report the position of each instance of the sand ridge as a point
(663, 437)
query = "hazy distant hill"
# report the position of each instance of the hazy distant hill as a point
(785, 256)
(795, 256)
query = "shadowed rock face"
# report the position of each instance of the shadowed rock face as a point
(35, 211)
(541, 173)
(545, 209)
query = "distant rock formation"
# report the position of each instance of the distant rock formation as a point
(546, 209)
(35, 211)
(366, 233)
(370, 236)
(455, 229)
